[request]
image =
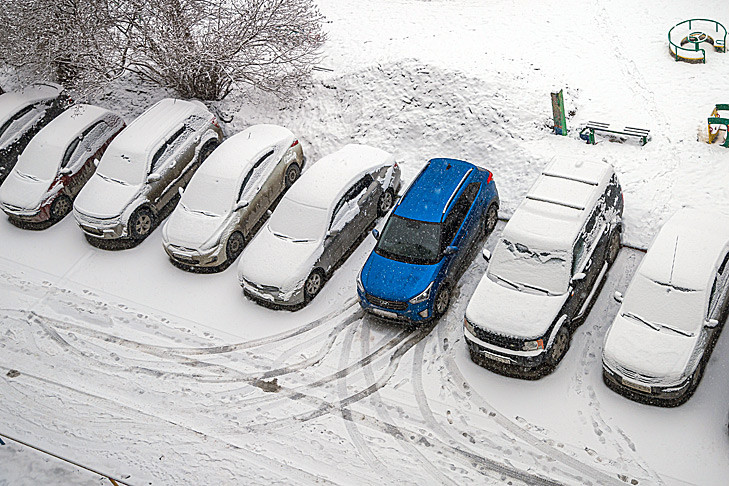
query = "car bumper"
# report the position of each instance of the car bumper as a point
(525, 364)
(652, 394)
(410, 313)
(271, 297)
(210, 258)
(101, 228)
(40, 215)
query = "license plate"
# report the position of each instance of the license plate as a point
(496, 357)
(383, 313)
(636, 386)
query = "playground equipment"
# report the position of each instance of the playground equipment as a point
(685, 39)
(588, 133)
(560, 122)
(715, 122)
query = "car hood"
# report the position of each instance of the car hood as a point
(278, 262)
(509, 312)
(104, 199)
(393, 280)
(23, 192)
(189, 229)
(636, 347)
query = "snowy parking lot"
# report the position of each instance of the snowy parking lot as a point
(128, 365)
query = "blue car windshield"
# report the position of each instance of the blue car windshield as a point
(410, 241)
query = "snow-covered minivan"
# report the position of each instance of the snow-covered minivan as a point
(545, 269)
(143, 169)
(673, 311)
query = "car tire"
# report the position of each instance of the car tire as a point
(442, 300)
(492, 217)
(234, 246)
(292, 174)
(313, 285)
(60, 207)
(141, 223)
(385, 202)
(613, 246)
(206, 150)
(560, 345)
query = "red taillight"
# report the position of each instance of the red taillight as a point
(491, 178)
(214, 121)
(295, 143)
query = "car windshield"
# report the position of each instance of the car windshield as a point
(410, 241)
(662, 305)
(298, 222)
(530, 269)
(11, 127)
(209, 195)
(40, 160)
(123, 167)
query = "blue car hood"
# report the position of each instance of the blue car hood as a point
(393, 280)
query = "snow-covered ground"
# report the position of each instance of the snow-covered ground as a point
(131, 366)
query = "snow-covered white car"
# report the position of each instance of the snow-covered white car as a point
(57, 163)
(318, 221)
(22, 114)
(230, 193)
(144, 167)
(546, 268)
(673, 311)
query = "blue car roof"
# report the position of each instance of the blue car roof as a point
(432, 190)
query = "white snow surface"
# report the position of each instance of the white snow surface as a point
(160, 376)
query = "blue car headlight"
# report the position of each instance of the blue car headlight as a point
(360, 287)
(422, 296)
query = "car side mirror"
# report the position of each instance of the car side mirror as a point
(154, 177)
(618, 297)
(375, 233)
(578, 276)
(711, 322)
(450, 250)
(180, 191)
(96, 162)
(65, 171)
(486, 254)
(241, 204)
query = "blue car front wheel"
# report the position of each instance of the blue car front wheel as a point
(442, 299)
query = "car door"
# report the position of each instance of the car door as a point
(257, 200)
(454, 231)
(164, 170)
(719, 298)
(79, 158)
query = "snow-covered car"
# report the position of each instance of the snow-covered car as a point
(545, 269)
(318, 221)
(230, 193)
(57, 163)
(673, 311)
(22, 114)
(143, 169)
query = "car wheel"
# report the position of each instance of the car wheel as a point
(442, 299)
(492, 217)
(292, 173)
(61, 207)
(141, 223)
(613, 246)
(385, 202)
(234, 246)
(207, 150)
(560, 346)
(314, 283)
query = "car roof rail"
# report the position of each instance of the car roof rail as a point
(554, 201)
(569, 178)
(460, 184)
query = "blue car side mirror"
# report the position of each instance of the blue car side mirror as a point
(375, 233)
(450, 250)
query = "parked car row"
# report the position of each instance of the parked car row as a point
(250, 197)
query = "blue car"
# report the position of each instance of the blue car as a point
(426, 241)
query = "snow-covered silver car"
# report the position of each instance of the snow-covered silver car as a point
(230, 193)
(144, 167)
(22, 114)
(57, 163)
(673, 311)
(319, 220)
(546, 269)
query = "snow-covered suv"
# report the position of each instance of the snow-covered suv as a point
(143, 169)
(545, 270)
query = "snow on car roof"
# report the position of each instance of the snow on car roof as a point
(71, 123)
(326, 180)
(686, 250)
(156, 123)
(14, 101)
(233, 158)
(559, 202)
